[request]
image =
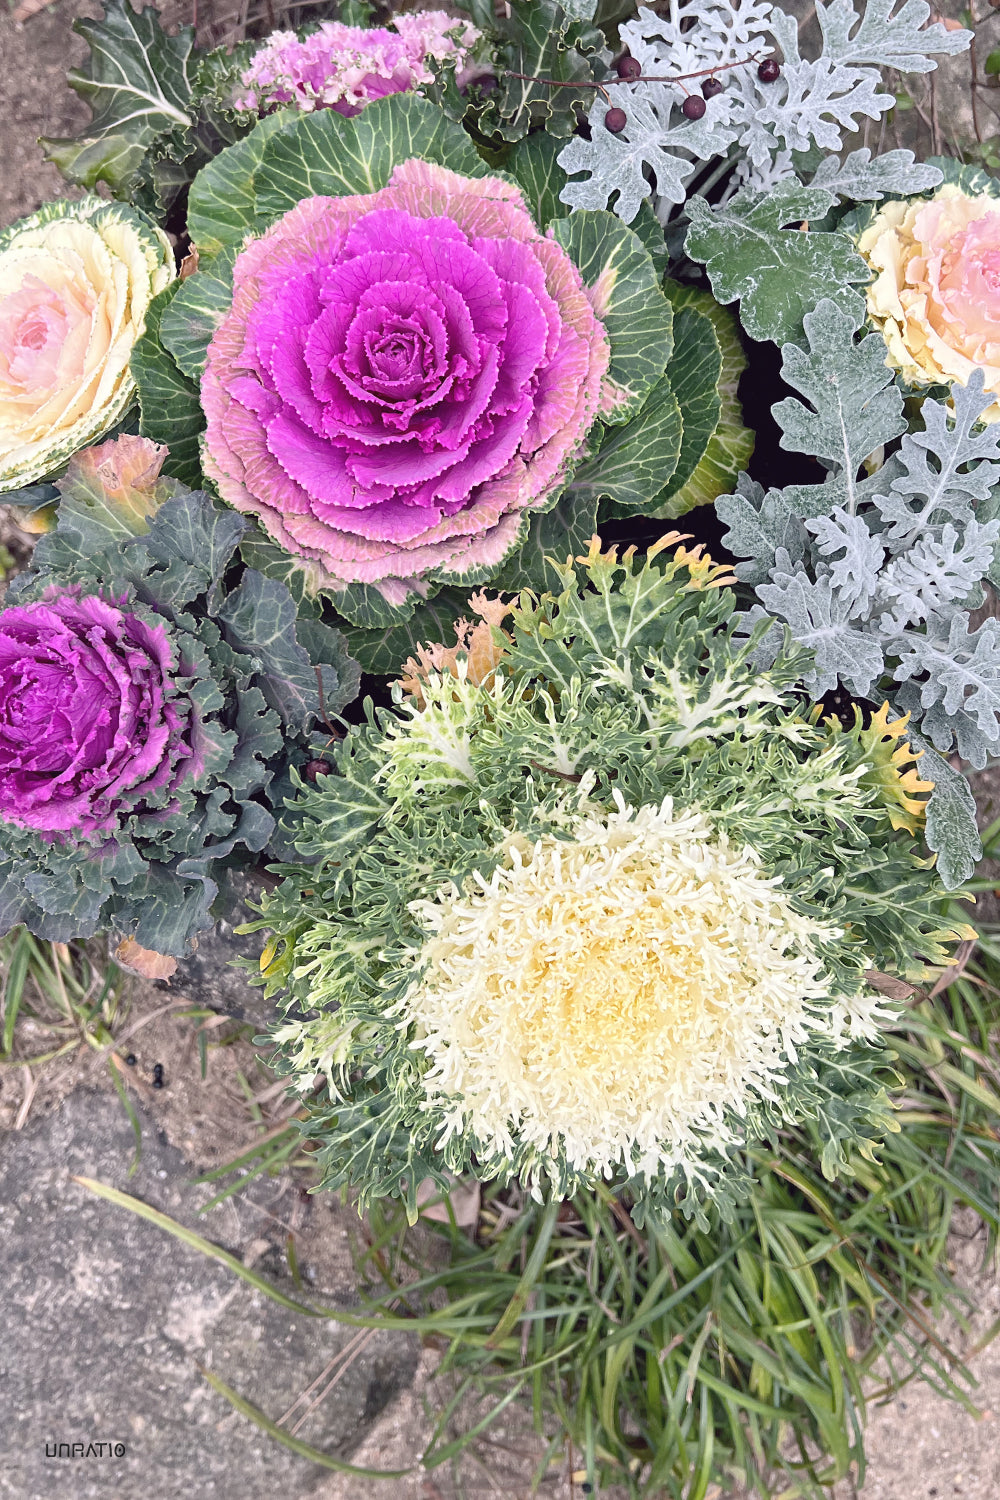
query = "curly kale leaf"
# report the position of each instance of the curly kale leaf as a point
(161, 109)
(175, 156)
(541, 40)
(138, 83)
(258, 618)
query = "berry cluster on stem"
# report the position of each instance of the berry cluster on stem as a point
(629, 70)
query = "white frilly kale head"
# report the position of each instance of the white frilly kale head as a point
(600, 903)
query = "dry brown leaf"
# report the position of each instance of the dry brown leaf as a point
(474, 642)
(132, 956)
(886, 984)
(27, 9)
(464, 1198)
(956, 968)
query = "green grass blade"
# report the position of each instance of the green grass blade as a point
(199, 1243)
(13, 988)
(304, 1450)
(130, 1110)
(532, 1269)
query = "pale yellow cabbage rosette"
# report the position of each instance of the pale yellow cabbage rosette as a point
(76, 280)
(936, 294)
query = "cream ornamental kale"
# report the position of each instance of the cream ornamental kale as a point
(758, 122)
(153, 701)
(598, 900)
(876, 574)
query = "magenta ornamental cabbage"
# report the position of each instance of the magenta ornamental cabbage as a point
(401, 376)
(90, 722)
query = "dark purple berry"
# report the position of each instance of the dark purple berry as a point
(615, 120)
(768, 71)
(130, 1060)
(316, 768)
(628, 68)
(693, 107)
(712, 86)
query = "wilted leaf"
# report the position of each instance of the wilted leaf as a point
(464, 1200)
(137, 960)
(119, 483)
(888, 984)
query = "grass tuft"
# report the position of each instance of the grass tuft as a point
(59, 994)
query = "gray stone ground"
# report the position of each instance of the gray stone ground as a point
(104, 1319)
(107, 1319)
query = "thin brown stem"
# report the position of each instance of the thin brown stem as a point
(935, 126)
(573, 83)
(561, 83)
(973, 67)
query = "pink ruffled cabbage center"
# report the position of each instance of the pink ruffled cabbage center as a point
(962, 276)
(401, 375)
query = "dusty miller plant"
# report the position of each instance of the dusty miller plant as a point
(760, 129)
(876, 574)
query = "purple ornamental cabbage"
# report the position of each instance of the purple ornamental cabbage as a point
(402, 375)
(91, 724)
(153, 695)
